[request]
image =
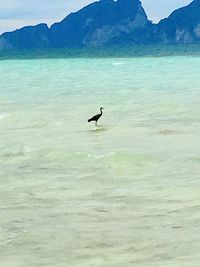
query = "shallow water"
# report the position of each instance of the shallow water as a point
(123, 194)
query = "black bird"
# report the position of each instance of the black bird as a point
(96, 117)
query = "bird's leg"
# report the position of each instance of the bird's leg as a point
(96, 124)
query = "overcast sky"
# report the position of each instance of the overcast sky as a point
(17, 13)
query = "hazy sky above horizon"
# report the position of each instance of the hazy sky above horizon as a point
(18, 13)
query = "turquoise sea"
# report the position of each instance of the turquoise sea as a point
(124, 194)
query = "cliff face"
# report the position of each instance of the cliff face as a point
(181, 27)
(107, 23)
(31, 37)
(103, 23)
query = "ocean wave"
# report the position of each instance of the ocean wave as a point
(170, 132)
(3, 116)
(107, 155)
(112, 156)
(118, 63)
(115, 159)
(82, 159)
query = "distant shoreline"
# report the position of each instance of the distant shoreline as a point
(123, 52)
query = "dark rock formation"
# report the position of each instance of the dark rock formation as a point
(109, 23)
(181, 27)
(103, 23)
(31, 37)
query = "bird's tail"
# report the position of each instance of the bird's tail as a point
(89, 120)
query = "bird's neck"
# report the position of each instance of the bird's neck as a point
(101, 111)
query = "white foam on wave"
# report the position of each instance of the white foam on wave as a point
(3, 116)
(110, 154)
(118, 63)
(28, 149)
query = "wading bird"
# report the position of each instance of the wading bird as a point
(96, 117)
